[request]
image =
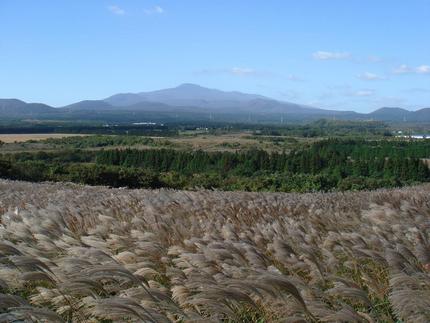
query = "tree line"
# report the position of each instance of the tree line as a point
(334, 164)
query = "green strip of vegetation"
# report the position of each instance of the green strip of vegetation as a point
(327, 165)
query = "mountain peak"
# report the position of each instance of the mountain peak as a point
(189, 86)
(185, 95)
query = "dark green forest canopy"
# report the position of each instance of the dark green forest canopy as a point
(339, 164)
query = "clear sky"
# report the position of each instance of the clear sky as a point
(355, 55)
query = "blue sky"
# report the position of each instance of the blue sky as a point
(354, 55)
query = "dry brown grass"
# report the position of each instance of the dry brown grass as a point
(11, 138)
(234, 142)
(88, 254)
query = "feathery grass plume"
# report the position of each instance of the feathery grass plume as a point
(92, 253)
(346, 314)
(10, 317)
(8, 249)
(8, 301)
(350, 293)
(83, 286)
(422, 249)
(225, 301)
(37, 276)
(29, 263)
(410, 296)
(119, 309)
(16, 309)
(35, 314)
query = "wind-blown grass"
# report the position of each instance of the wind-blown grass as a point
(70, 253)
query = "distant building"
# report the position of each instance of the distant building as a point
(144, 124)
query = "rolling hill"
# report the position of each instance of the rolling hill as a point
(14, 107)
(400, 115)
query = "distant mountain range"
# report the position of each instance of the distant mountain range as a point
(194, 102)
(15, 108)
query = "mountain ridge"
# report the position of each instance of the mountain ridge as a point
(15, 107)
(195, 101)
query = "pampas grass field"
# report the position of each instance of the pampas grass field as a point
(70, 253)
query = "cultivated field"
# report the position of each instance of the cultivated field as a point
(91, 254)
(10, 138)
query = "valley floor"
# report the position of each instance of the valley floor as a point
(89, 254)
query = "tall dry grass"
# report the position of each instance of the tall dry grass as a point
(91, 254)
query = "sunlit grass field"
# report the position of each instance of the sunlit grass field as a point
(90, 254)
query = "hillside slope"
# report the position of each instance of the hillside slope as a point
(91, 253)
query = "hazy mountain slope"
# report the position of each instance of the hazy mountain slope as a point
(420, 115)
(400, 115)
(193, 102)
(124, 99)
(191, 95)
(90, 105)
(100, 106)
(394, 114)
(183, 95)
(14, 107)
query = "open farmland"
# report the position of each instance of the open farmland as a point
(239, 141)
(91, 254)
(207, 142)
(11, 138)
